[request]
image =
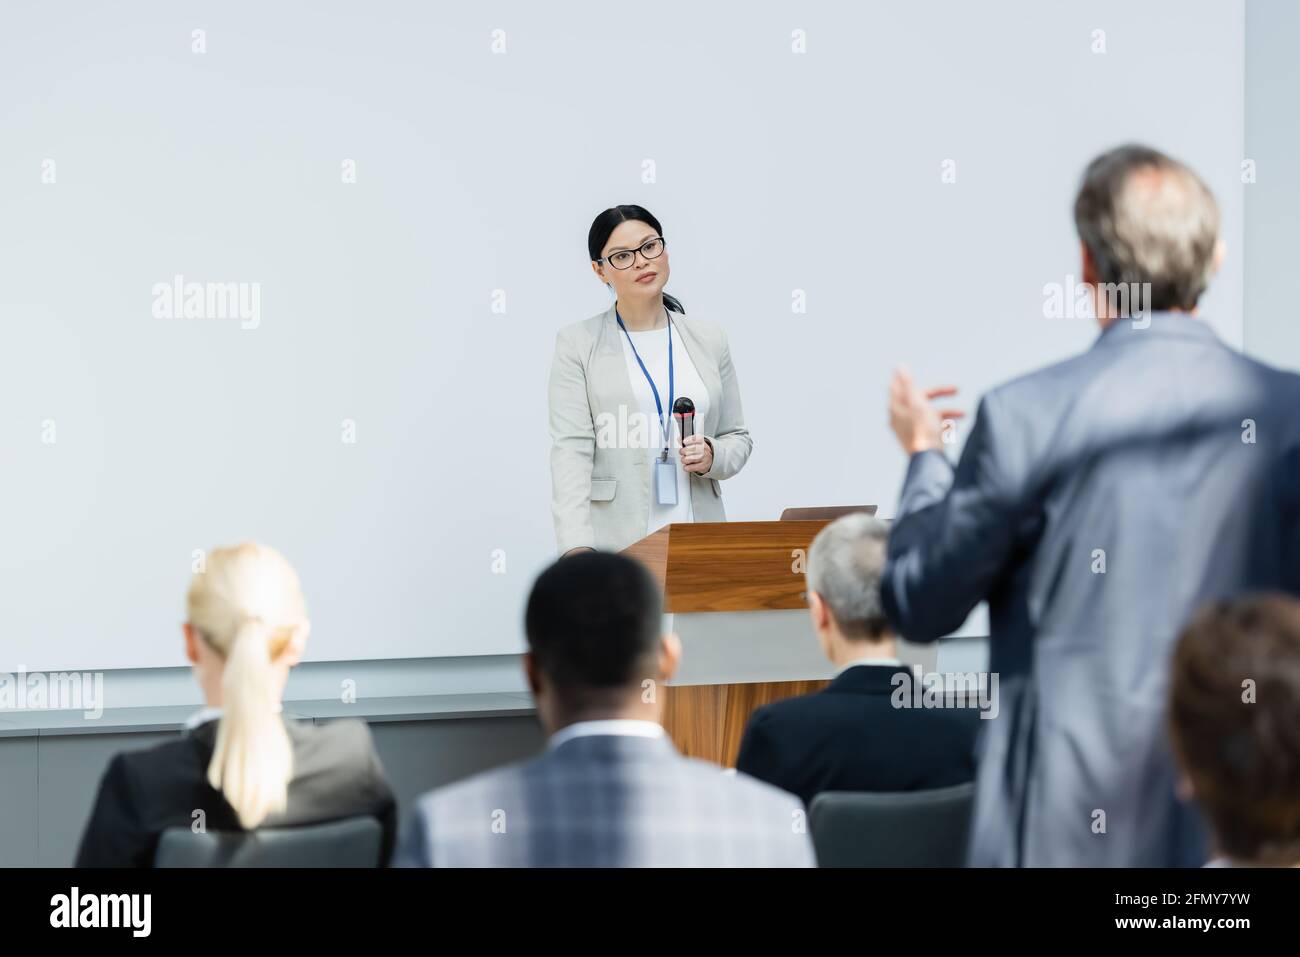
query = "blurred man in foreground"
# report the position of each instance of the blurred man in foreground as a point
(610, 789)
(1096, 504)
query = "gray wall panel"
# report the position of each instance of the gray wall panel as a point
(17, 802)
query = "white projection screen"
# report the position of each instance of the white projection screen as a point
(383, 419)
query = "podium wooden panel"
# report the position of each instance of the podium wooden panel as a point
(728, 566)
(708, 721)
(707, 570)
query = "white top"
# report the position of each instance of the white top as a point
(202, 716)
(869, 660)
(208, 713)
(629, 727)
(652, 345)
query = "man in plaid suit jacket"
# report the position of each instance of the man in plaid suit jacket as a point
(610, 790)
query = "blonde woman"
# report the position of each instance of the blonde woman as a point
(240, 762)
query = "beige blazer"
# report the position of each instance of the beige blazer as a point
(600, 496)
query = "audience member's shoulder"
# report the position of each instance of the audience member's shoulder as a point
(782, 804)
(163, 757)
(353, 731)
(730, 781)
(960, 714)
(345, 740)
(777, 713)
(485, 786)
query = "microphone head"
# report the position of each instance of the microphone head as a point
(684, 413)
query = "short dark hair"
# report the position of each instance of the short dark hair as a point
(1242, 751)
(1160, 228)
(593, 624)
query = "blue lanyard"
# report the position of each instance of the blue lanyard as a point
(658, 405)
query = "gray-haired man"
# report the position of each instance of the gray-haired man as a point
(1096, 504)
(861, 732)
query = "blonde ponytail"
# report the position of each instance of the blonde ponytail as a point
(252, 763)
(247, 605)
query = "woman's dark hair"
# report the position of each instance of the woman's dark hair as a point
(608, 221)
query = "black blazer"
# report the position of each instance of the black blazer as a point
(850, 737)
(336, 775)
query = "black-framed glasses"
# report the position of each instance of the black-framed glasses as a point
(624, 258)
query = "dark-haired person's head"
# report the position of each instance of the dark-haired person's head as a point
(596, 649)
(630, 255)
(1149, 228)
(1234, 716)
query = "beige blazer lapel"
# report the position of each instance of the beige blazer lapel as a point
(610, 384)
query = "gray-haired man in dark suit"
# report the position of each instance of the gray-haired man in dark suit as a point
(1096, 504)
(610, 789)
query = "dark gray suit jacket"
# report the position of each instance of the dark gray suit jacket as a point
(607, 801)
(336, 775)
(1096, 505)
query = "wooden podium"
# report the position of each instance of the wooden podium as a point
(734, 592)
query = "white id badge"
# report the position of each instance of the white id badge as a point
(665, 481)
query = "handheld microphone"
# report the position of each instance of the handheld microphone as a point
(684, 413)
